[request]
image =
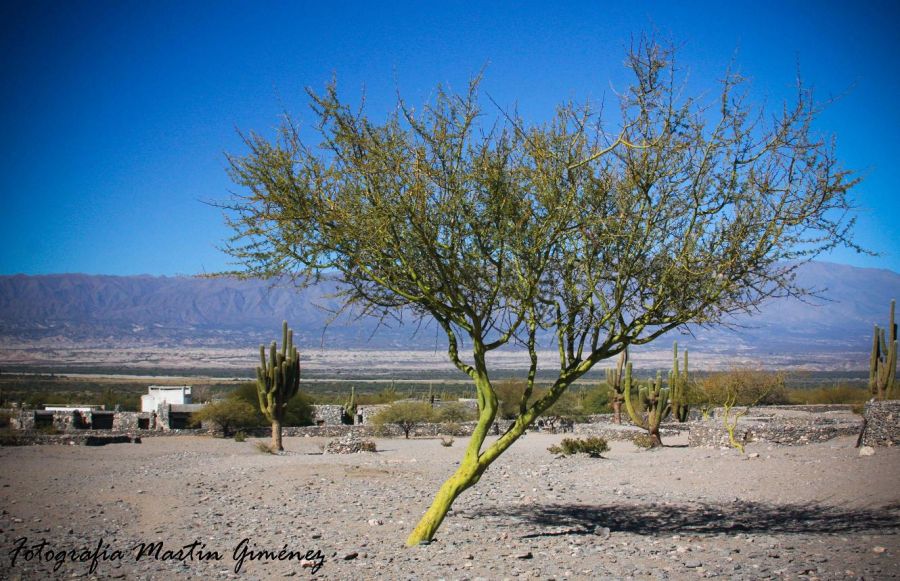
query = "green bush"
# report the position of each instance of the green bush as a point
(228, 414)
(509, 393)
(643, 441)
(240, 437)
(596, 401)
(836, 394)
(593, 446)
(454, 429)
(454, 412)
(745, 386)
(567, 407)
(405, 415)
(264, 448)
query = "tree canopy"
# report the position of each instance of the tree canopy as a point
(603, 234)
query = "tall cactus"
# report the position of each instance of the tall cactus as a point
(350, 408)
(678, 386)
(655, 400)
(277, 381)
(883, 364)
(614, 379)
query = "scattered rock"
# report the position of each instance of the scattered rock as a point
(867, 451)
(349, 444)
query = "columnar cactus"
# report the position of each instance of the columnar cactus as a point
(678, 386)
(883, 364)
(655, 400)
(350, 407)
(277, 381)
(614, 379)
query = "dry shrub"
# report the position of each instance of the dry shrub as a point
(593, 446)
(265, 448)
(836, 394)
(747, 386)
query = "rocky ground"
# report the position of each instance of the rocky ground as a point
(819, 511)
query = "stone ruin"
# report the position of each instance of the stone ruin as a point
(882, 424)
(349, 444)
(75, 420)
(783, 425)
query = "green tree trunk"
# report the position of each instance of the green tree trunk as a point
(475, 461)
(465, 476)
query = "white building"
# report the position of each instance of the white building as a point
(165, 394)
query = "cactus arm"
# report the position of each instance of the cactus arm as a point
(890, 380)
(883, 360)
(629, 406)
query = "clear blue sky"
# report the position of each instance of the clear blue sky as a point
(115, 116)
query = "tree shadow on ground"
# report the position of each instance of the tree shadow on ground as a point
(701, 518)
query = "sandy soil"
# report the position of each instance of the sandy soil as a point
(818, 511)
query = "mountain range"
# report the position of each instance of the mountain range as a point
(111, 311)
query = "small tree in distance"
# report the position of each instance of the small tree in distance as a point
(507, 232)
(228, 414)
(404, 414)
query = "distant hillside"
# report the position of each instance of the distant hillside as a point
(171, 311)
(168, 311)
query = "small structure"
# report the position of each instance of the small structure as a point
(328, 415)
(365, 413)
(165, 394)
(177, 416)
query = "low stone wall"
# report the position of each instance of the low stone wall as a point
(882, 423)
(369, 431)
(611, 431)
(78, 421)
(818, 408)
(80, 438)
(784, 431)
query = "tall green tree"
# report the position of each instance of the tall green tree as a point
(600, 234)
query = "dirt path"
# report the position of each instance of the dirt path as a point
(818, 511)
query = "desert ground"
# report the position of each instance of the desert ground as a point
(819, 511)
